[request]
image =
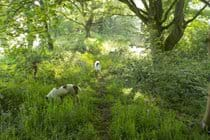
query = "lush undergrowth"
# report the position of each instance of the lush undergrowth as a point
(141, 120)
(26, 114)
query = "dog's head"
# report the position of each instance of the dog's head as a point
(76, 89)
(52, 93)
(97, 63)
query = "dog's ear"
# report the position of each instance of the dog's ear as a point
(75, 89)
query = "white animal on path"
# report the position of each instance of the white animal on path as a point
(97, 66)
(68, 89)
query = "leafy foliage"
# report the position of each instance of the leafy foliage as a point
(140, 93)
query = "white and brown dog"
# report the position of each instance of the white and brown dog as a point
(97, 68)
(61, 92)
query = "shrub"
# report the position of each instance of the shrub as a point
(145, 121)
(180, 82)
(94, 45)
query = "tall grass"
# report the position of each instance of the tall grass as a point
(142, 120)
(25, 114)
(38, 118)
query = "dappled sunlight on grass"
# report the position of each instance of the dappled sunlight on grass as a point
(133, 113)
(39, 117)
(142, 120)
(139, 52)
(94, 45)
(109, 46)
(139, 95)
(88, 59)
(126, 91)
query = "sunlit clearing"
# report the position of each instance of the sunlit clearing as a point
(139, 95)
(126, 91)
(87, 59)
(138, 51)
(108, 47)
(146, 99)
(139, 4)
(92, 39)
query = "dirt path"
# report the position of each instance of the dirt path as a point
(103, 110)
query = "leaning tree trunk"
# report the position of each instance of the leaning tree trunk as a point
(87, 32)
(46, 19)
(178, 27)
(49, 38)
(159, 12)
(88, 26)
(206, 119)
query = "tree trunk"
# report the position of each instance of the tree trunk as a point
(46, 25)
(159, 40)
(49, 38)
(87, 32)
(159, 12)
(30, 34)
(158, 43)
(178, 27)
(206, 119)
(155, 41)
(88, 26)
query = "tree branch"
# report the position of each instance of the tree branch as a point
(169, 25)
(139, 10)
(206, 2)
(107, 14)
(196, 15)
(178, 29)
(72, 19)
(168, 11)
(144, 12)
(3, 4)
(78, 8)
(145, 5)
(136, 10)
(20, 5)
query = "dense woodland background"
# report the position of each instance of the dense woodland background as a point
(154, 77)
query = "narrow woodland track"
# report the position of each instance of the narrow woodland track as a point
(103, 110)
